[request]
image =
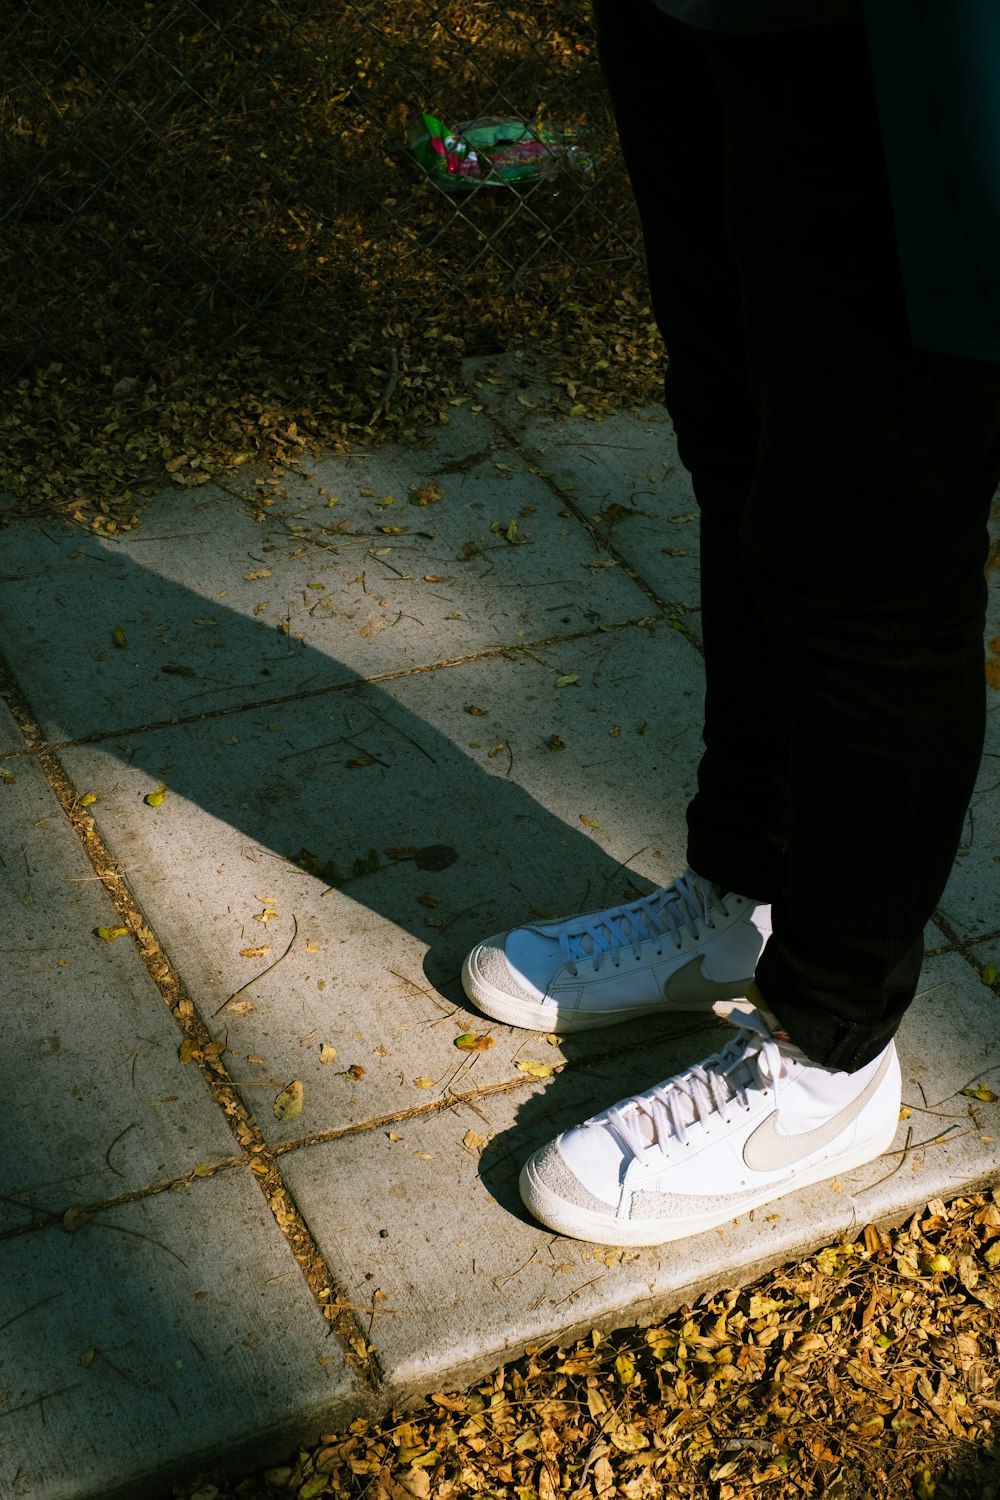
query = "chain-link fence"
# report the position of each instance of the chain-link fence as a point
(211, 170)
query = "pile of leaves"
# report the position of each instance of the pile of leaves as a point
(217, 247)
(868, 1372)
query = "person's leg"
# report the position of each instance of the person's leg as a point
(865, 537)
(695, 943)
(672, 129)
(864, 540)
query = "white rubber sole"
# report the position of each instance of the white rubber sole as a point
(600, 1229)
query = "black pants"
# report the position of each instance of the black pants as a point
(844, 480)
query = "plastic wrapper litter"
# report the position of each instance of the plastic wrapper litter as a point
(494, 152)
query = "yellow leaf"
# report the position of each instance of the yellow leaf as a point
(629, 1438)
(393, 1136)
(260, 951)
(327, 1054)
(87, 1357)
(155, 799)
(469, 1042)
(256, 573)
(473, 1141)
(289, 1102)
(110, 933)
(119, 637)
(589, 822)
(188, 1050)
(568, 680)
(312, 947)
(76, 1218)
(536, 1069)
(424, 1155)
(980, 1092)
(201, 1170)
(477, 713)
(424, 1082)
(88, 799)
(356, 1071)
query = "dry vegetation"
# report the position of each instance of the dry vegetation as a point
(868, 1372)
(217, 248)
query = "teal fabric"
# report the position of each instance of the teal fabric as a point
(937, 77)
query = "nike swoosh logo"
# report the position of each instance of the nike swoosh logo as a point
(688, 989)
(767, 1151)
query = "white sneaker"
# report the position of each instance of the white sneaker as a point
(753, 1122)
(686, 947)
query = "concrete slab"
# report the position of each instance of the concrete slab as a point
(424, 1217)
(206, 607)
(971, 903)
(373, 966)
(621, 469)
(143, 1345)
(96, 1103)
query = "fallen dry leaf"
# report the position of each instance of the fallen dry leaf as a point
(288, 1104)
(535, 1069)
(109, 934)
(470, 1042)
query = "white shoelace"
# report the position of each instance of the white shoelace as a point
(661, 1115)
(687, 903)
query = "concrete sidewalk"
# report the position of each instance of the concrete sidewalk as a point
(394, 704)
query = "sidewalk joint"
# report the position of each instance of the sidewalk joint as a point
(260, 1158)
(355, 685)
